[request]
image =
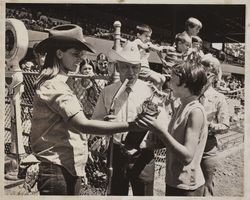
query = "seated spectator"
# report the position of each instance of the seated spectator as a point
(238, 115)
(145, 46)
(197, 45)
(192, 27)
(222, 86)
(39, 59)
(36, 63)
(177, 53)
(27, 66)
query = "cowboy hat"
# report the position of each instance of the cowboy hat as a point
(129, 54)
(68, 35)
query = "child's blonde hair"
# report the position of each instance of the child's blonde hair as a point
(183, 38)
(143, 28)
(212, 64)
(192, 22)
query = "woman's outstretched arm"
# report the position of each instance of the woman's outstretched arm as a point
(82, 124)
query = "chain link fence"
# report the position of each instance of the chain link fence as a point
(87, 91)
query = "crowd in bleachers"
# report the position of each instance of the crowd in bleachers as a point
(96, 27)
(230, 83)
(33, 21)
(234, 54)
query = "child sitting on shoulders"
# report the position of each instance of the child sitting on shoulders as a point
(177, 53)
(144, 44)
(192, 27)
(197, 45)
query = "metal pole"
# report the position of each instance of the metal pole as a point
(117, 47)
(110, 164)
(111, 143)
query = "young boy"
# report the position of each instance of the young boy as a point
(197, 45)
(144, 33)
(186, 134)
(176, 54)
(192, 27)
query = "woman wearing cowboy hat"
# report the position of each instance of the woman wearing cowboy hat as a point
(58, 123)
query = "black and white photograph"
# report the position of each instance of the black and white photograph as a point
(124, 99)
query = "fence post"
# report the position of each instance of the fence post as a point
(117, 46)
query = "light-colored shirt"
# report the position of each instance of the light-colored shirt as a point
(52, 140)
(217, 113)
(216, 107)
(126, 106)
(178, 175)
(144, 52)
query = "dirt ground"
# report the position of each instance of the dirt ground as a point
(228, 177)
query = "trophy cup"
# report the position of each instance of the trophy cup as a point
(151, 105)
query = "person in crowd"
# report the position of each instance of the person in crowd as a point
(222, 86)
(238, 116)
(103, 68)
(36, 62)
(102, 64)
(133, 156)
(144, 44)
(197, 45)
(59, 126)
(186, 134)
(217, 112)
(87, 68)
(27, 66)
(39, 58)
(177, 53)
(92, 87)
(192, 27)
(26, 122)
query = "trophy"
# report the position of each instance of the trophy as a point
(151, 105)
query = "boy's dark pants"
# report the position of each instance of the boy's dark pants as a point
(137, 171)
